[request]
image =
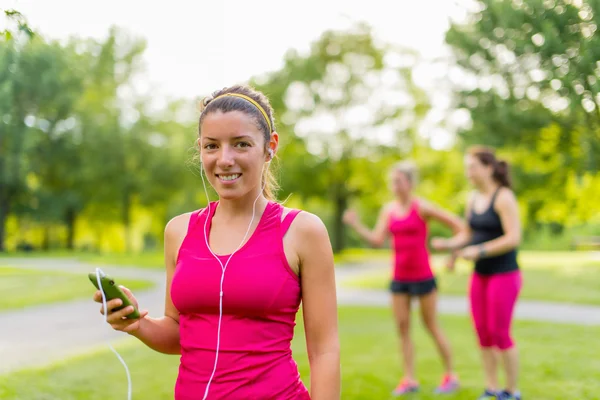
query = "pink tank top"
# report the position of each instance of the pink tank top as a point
(410, 246)
(261, 296)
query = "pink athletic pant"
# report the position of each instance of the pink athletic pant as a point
(493, 299)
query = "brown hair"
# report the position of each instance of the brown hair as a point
(266, 124)
(487, 156)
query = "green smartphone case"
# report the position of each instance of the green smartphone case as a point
(113, 291)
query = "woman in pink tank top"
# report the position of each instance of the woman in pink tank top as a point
(405, 220)
(238, 270)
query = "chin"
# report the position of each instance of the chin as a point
(229, 194)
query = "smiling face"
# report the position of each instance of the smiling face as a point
(233, 153)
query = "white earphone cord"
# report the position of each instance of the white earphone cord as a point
(129, 385)
(223, 268)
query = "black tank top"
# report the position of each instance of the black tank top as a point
(485, 227)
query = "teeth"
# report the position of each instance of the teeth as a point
(229, 177)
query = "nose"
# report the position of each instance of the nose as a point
(226, 157)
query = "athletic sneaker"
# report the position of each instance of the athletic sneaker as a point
(504, 395)
(449, 384)
(406, 386)
(489, 395)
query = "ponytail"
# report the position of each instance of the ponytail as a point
(501, 174)
(487, 157)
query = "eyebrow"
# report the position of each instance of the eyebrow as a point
(234, 138)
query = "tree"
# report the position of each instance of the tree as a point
(533, 90)
(36, 94)
(339, 100)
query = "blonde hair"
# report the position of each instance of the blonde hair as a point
(409, 169)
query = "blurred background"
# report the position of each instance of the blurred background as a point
(99, 110)
(98, 123)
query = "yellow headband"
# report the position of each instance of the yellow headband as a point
(251, 100)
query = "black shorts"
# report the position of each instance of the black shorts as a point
(418, 288)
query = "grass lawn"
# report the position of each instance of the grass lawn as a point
(24, 287)
(551, 276)
(554, 365)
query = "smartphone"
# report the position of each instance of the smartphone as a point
(113, 291)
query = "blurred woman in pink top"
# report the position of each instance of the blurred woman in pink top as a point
(405, 219)
(238, 269)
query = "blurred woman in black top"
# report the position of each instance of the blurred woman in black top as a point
(491, 240)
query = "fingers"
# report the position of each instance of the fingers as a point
(110, 305)
(120, 314)
(128, 293)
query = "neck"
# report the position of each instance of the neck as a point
(242, 207)
(404, 199)
(487, 187)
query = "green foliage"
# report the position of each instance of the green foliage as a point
(334, 100)
(87, 162)
(535, 94)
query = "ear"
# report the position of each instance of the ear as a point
(272, 146)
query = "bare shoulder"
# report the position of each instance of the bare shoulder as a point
(425, 207)
(307, 224)
(505, 198)
(175, 231)
(311, 243)
(178, 225)
(424, 204)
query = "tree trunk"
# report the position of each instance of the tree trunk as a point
(126, 219)
(4, 210)
(46, 240)
(70, 220)
(340, 204)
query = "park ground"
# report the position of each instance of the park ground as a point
(55, 345)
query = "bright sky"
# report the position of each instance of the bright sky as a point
(195, 47)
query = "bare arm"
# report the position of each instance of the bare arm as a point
(375, 237)
(431, 211)
(319, 307)
(162, 334)
(462, 237)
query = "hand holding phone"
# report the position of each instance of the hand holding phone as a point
(123, 310)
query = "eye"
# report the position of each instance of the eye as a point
(243, 144)
(210, 146)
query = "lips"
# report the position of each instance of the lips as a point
(229, 177)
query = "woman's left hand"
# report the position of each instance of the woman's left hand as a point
(470, 253)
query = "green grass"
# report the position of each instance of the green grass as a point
(22, 287)
(550, 276)
(553, 365)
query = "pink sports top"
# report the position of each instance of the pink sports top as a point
(261, 296)
(410, 246)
